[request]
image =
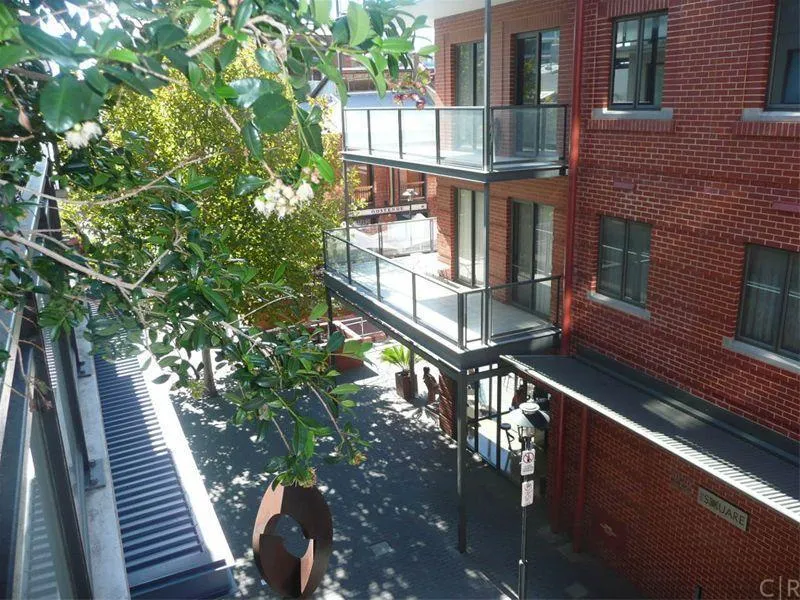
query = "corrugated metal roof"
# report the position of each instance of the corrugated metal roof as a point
(164, 551)
(768, 477)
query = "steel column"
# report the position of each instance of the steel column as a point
(436, 113)
(461, 442)
(487, 69)
(400, 132)
(559, 482)
(577, 532)
(329, 302)
(378, 277)
(414, 297)
(369, 133)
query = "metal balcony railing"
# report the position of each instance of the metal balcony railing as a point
(521, 136)
(387, 262)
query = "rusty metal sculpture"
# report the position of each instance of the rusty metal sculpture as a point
(287, 574)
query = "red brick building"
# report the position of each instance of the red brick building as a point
(634, 186)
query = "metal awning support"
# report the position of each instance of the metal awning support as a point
(461, 435)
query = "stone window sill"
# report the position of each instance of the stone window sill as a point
(768, 123)
(632, 120)
(621, 306)
(760, 354)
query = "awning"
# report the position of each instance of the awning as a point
(771, 478)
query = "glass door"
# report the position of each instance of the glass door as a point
(471, 238)
(537, 84)
(469, 92)
(532, 256)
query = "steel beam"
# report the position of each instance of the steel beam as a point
(461, 442)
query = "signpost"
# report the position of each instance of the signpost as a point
(388, 210)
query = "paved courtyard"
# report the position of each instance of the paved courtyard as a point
(395, 515)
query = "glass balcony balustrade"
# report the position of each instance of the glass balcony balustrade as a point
(522, 137)
(397, 265)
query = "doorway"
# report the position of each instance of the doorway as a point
(532, 256)
(470, 238)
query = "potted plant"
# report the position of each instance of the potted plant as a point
(405, 382)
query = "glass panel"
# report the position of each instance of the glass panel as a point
(548, 70)
(419, 133)
(473, 310)
(654, 43)
(638, 262)
(785, 84)
(465, 71)
(764, 280)
(543, 258)
(385, 131)
(527, 69)
(464, 209)
(336, 255)
(612, 241)
(791, 324)
(461, 136)
(626, 44)
(363, 270)
(480, 240)
(396, 287)
(478, 99)
(355, 126)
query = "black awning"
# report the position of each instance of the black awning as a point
(771, 478)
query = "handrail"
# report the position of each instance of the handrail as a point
(412, 108)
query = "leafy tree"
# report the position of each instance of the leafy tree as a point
(167, 281)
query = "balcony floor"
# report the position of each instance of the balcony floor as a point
(437, 307)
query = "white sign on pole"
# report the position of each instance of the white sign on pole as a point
(527, 493)
(527, 462)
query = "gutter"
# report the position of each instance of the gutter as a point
(572, 192)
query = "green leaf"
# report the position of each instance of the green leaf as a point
(160, 348)
(215, 299)
(358, 23)
(243, 14)
(161, 379)
(198, 184)
(11, 54)
(65, 102)
(123, 55)
(228, 53)
(252, 139)
(428, 50)
(266, 58)
(109, 39)
(321, 11)
(397, 45)
(96, 80)
(46, 45)
(246, 184)
(272, 113)
(203, 19)
(250, 89)
(195, 74)
(345, 389)
(325, 169)
(317, 312)
(168, 35)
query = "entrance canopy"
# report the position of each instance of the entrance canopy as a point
(739, 459)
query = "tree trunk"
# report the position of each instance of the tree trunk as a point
(210, 388)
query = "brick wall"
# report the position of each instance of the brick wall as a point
(642, 517)
(708, 184)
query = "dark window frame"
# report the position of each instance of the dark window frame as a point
(635, 105)
(474, 84)
(626, 244)
(781, 321)
(518, 40)
(514, 254)
(770, 104)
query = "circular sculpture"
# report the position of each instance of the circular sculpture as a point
(287, 574)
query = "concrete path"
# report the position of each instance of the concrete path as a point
(395, 515)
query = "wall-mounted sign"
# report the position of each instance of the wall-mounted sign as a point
(388, 210)
(527, 462)
(732, 514)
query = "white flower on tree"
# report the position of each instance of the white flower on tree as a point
(82, 134)
(281, 199)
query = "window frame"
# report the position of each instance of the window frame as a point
(473, 282)
(474, 84)
(769, 104)
(635, 105)
(626, 244)
(521, 37)
(781, 321)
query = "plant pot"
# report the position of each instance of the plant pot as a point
(406, 385)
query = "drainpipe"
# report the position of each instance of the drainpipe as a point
(577, 531)
(572, 194)
(558, 495)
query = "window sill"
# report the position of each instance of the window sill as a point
(768, 123)
(632, 120)
(760, 354)
(620, 305)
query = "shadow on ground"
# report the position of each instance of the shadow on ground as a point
(395, 515)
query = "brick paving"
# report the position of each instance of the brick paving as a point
(395, 515)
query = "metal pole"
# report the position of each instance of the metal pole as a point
(329, 302)
(414, 296)
(461, 440)
(400, 132)
(438, 137)
(522, 581)
(487, 113)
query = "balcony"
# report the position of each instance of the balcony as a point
(527, 141)
(391, 272)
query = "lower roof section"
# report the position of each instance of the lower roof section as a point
(767, 474)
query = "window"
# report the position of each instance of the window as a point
(637, 69)
(537, 68)
(469, 74)
(624, 260)
(532, 255)
(470, 238)
(769, 315)
(784, 90)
